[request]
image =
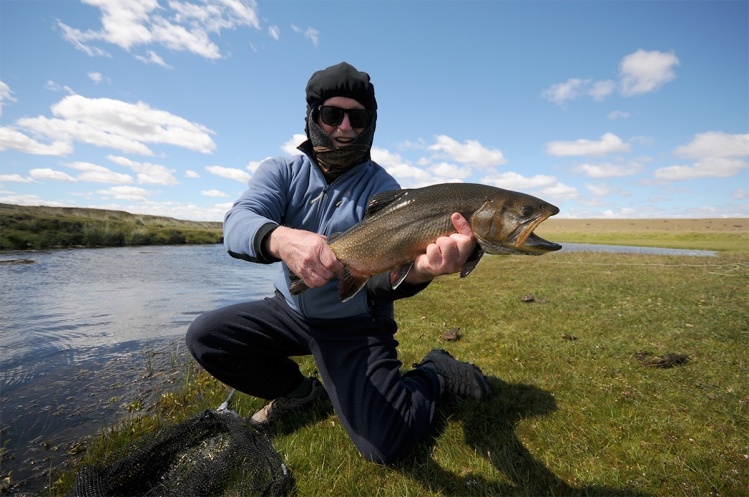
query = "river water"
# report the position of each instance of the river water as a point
(88, 335)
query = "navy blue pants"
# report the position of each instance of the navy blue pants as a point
(247, 346)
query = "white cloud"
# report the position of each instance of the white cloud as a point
(51, 175)
(96, 77)
(646, 71)
(469, 152)
(599, 190)
(177, 25)
(290, 147)
(639, 73)
(213, 193)
(716, 155)
(29, 200)
(515, 181)
(99, 174)
(608, 143)
(560, 191)
(11, 139)
(5, 96)
(106, 122)
(601, 89)
(608, 170)
(126, 193)
(53, 86)
(713, 167)
(447, 170)
(191, 174)
(617, 114)
(15, 178)
(310, 33)
(147, 173)
(229, 173)
(274, 32)
(569, 90)
(152, 57)
(407, 175)
(576, 87)
(253, 165)
(715, 144)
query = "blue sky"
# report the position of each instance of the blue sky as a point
(608, 109)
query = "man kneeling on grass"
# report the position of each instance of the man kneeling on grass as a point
(292, 205)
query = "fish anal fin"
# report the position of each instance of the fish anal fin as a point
(349, 284)
(474, 259)
(397, 275)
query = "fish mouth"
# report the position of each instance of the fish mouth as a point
(524, 240)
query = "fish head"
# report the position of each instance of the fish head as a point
(504, 224)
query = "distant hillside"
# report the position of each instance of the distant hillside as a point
(40, 227)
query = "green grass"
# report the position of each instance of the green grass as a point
(27, 227)
(574, 411)
(722, 242)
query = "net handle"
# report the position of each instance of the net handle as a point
(225, 405)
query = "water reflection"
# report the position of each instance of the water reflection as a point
(624, 249)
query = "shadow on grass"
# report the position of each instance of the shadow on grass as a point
(489, 428)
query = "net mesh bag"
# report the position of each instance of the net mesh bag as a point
(215, 453)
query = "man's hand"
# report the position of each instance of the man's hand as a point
(446, 255)
(307, 254)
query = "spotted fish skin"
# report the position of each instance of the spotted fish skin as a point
(400, 224)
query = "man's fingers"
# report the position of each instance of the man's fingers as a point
(461, 224)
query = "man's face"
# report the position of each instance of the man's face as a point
(342, 134)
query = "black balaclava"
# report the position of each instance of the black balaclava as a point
(341, 80)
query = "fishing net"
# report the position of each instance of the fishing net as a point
(215, 453)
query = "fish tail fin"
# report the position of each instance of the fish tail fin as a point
(349, 284)
(397, 275)
(297, 286)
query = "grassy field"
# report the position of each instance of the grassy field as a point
(39, 227)
(612, 375)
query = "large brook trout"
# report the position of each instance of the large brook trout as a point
(400, 224)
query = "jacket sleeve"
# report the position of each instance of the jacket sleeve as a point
(257, 213)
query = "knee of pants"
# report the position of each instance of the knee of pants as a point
(389, 449)
(380, 455)
(195, 337)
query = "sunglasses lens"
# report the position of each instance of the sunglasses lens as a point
(333, 116)
(359, 118)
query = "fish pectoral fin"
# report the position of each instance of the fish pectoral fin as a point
(474, 259)
(399, 274)
(349, 284)
(297, 286)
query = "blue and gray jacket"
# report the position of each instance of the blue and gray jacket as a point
(292, 191)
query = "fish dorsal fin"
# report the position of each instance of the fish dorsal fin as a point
(382, 200)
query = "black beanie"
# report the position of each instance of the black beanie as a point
(340, 80)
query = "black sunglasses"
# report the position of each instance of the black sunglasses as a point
(333, 116)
